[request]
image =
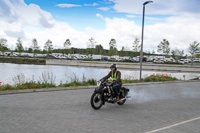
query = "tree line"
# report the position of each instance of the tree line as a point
(94, 48)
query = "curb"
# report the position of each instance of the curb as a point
(83, 87)
(45, 90)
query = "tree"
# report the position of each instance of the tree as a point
(99, 49)
(153, 51)
(19, 47)
(48, 46)
(122, 51)
(67, 44)
(113, 47)
(3, 44)
(177, 54)
(35, 46)
(193, 48)
(30, 50)
(91, 43)
(164, 47)
(112, 43)
(136, 45)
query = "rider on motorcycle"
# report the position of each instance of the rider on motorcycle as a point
(116, 76)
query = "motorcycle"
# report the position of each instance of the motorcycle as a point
(104, 93)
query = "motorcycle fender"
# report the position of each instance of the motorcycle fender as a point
(97, 90)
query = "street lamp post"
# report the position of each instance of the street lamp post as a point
(141, 52)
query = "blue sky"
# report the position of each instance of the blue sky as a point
(178, 21)
(83, 14)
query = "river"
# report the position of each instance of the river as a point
(9, 73)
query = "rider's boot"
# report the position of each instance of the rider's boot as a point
(117, 99)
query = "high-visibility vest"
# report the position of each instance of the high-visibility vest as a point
(114, 77)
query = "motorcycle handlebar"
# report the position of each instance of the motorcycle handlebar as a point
(106, 83)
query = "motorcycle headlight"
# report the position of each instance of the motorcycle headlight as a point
(98, 83)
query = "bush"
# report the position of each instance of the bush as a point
(91, 82)
(158, 78)
(6, 87)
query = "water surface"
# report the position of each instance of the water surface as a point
(65, 74)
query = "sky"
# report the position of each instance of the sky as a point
(178, 21)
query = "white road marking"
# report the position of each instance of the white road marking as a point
(174, 125)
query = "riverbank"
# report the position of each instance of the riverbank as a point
(18, 60)
(102, 64)
(124, 65)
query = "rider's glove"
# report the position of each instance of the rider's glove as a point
(112, 84)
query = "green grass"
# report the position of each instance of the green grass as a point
(27, 85)
(47, 82)
(22, 60)
(78, 83)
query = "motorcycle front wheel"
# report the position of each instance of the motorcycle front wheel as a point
(96, 101)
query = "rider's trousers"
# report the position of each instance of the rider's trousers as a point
(116, 87)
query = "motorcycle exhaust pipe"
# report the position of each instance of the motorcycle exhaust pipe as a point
(128, 96)
(125, 98)
(122, 99)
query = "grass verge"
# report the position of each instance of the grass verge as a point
(47, 82)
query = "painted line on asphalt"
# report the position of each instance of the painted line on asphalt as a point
(174, 125)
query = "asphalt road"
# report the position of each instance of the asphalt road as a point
(155, 108)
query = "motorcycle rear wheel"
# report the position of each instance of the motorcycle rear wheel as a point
(96, 101)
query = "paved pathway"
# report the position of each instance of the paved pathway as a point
(159, 108)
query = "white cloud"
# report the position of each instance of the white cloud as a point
(67, 5)
(99, 15)
(104, 8)
(94, 4)
(58, 34)
(180, 31)
(132, 16)
(18, 11)
(120, 29)
(29, 21)
(172, 7)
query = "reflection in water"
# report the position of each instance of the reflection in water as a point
(66, 73)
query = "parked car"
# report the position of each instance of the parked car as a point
(184, 60)
(196, 60)
(158, 61)
(181, 61)
(96, 57)
(189, 60)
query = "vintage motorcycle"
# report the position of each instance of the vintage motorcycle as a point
(104, 93)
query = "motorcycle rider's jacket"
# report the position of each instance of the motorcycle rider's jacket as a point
(116, 76)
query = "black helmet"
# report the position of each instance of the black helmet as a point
(113, 65)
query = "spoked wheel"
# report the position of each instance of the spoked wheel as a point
(96, 101)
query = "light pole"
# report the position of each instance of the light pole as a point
(141, 52)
